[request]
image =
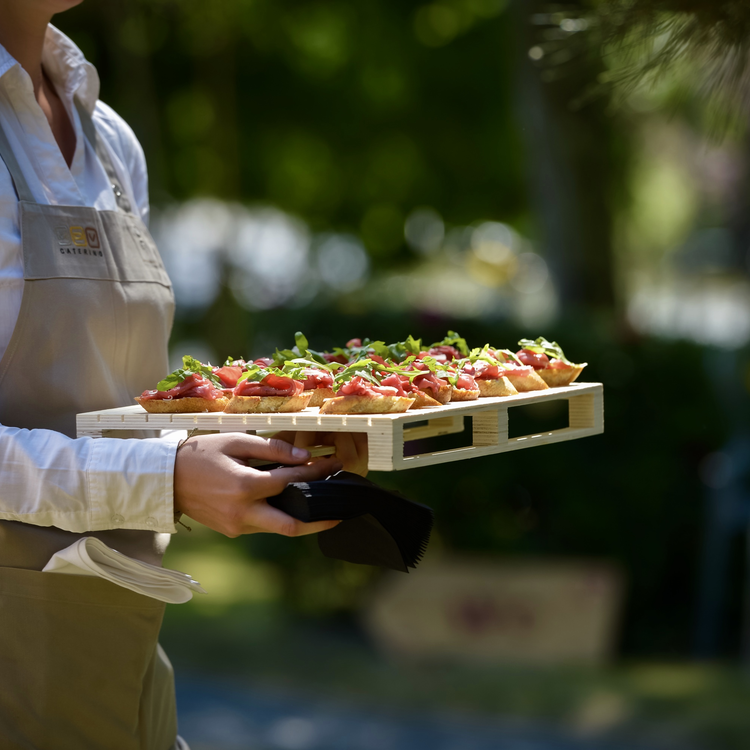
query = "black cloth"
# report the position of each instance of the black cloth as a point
(378, 526)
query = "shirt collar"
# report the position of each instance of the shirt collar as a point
(65, 64)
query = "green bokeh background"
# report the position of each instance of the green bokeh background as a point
(349, 116)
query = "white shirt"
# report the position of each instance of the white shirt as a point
(46, 478)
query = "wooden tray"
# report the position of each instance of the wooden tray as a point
(387, 433)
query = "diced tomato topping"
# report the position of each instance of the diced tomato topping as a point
(532, 359)
(229, 375)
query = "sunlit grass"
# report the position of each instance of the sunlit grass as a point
(228, 575)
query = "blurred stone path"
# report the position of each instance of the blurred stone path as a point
(220, 715)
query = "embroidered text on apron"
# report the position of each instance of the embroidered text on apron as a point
(80, 667)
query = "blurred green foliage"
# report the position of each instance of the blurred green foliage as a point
(350, 116)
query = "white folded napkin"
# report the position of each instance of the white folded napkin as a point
(89, 556)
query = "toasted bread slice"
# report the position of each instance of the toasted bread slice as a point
(366, 405)
(267, 404)
(422, 399)
(319, 395)
(556, 377)
(529, 381)
(497, 387)
(443, 396)
(461, 394)
(181, 405)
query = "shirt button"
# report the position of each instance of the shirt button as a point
(117, 518)
(150, 522)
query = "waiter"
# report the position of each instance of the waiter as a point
(85, 313)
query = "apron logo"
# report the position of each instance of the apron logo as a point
(84, 241)
(92, 236)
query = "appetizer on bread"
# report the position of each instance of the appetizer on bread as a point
(366, 387)
(316, 373)
(489, 374)
(364, 377)
(549, 361)
(194, 387)
(523, 377)
(269, 389)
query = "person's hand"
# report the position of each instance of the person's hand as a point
(351, 447)
(213, 485)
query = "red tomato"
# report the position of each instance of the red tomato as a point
(229, 375)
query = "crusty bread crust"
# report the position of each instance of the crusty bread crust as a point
(528, 382)
(319, 395)
(181, 405)
(366, 405)
(556, 377)
(268, 404)
(461, 394)
(498, 387)
(422, 399)
(443, 395)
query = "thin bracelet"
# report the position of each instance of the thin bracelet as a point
(178, 513)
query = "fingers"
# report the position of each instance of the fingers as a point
(266, 518)
(346, 449)
(275, 449)
(306, 439)
(268, 483)
(351, 449)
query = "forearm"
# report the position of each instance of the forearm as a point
(48, 479)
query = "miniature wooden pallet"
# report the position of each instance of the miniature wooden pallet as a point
(387, 433)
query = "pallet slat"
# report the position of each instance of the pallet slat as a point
(387, 433)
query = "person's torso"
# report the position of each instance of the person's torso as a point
(93, 321)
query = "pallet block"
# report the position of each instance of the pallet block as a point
(387, 433)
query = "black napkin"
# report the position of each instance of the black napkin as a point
(378, 526)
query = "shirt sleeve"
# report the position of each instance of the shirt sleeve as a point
(86, 484)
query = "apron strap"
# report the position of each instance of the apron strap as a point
(19, 181)
(89, 131)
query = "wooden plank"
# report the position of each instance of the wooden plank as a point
(435, 428)
(386, 432)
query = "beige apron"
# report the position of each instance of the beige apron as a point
(80, 667)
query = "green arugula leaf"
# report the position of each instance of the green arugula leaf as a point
(454, 340)
(190, 366)
(300, 349)
(483, 354)
(541, 346)
(256, 373)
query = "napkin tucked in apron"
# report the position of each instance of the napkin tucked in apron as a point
(91, 557)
